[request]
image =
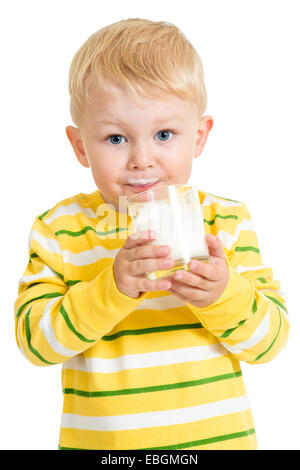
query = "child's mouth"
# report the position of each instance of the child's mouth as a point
(141, 187)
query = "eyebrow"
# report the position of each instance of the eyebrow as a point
(157, 121)
(112, 122)
(175, 117)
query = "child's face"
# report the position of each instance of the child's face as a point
(122, 137)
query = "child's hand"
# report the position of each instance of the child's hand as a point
(137, 257)
(204, 284)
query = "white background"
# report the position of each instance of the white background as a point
(250, 51)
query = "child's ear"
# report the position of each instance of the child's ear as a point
(74, 137)
(204, 128)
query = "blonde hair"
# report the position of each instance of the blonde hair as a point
(140, 56)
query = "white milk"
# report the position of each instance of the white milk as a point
(179, 226)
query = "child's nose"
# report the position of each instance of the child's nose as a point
(140, 158)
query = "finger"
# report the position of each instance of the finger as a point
(215, 247)
(187, 292)
(138, 238)
(147, 251)
(211, 272)
(191, 279)
(172, 291)
(142, 266)
(146, 285)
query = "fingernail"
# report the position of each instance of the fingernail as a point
(166, 284)
(178, 275)
(193, 264)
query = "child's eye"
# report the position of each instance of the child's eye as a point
(115, 139)
(164, 135)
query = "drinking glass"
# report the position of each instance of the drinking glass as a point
(174, 212)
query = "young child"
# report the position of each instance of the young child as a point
(147, 364)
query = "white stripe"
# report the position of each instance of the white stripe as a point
(69, 209)
(48, 244)
(77, 259)
(261, 331)
(140, 361)
(228, 240)
(45, 272)
(243, 269)
(212, 200)
(46, 327)
(273, 291)
(156, 418)
(89, 256)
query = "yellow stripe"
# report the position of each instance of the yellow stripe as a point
(161, 341)
(88, 271)
(245, 330)
(246, 238)
(278, 341)
(39, 341)
(52, 259)
(158, 436)
(150, 375)
(231, 224)
(63, 333)
(158, 401)
(159, 317)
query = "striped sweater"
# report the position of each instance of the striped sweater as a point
(150, 372)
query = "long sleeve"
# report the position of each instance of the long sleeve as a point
(55, 320)
(250, 317)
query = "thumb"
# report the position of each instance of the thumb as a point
(215, 247)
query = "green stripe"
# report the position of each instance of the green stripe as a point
(231, 330)
(43, 215)
(59, 275)
(109, 232)
(72, 328)
(157, 329)
(86, 229)
(212, 221)
(74, 448)
(44, 296)
(224, 198)
(276, 301)
(254, 306)
(40, 281)
(74, 234)
(271, 345)
(33, 255)
(28, 337)
(247, 248)
(202, 442)
(155, 388)
(262, 279)
(71, 283)
(33, 284)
